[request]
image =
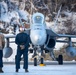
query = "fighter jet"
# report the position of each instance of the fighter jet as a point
(43, 39)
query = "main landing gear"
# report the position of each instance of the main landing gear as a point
(35, 57)
(59, 59)
(35, 61)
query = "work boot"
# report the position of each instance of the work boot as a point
(16, 70)
(26, 70)
(1, 71)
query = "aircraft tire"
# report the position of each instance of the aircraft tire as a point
(60, 59)
(42, 60)
(35, 61)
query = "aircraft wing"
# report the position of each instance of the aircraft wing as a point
(9, 36)
(13, 36)
(53, 34)
(65, 35)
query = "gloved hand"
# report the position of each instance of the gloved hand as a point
(22, 47)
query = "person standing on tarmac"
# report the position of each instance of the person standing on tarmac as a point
(2, 44)
(22, 41)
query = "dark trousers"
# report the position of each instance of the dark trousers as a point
(18, 58)
(1, 61)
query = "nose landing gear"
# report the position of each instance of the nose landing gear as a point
(41, 58)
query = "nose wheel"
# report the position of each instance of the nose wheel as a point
(35, 61)
(42, 60)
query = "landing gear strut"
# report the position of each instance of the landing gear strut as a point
(42, 60)
(41, 57)
(35, 58)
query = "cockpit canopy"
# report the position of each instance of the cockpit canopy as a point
(38, 18)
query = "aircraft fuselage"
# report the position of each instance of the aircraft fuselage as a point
(38, 34)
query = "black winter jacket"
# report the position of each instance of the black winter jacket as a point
(22, 39)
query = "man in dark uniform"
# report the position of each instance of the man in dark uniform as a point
(22, 41)
(2, 44)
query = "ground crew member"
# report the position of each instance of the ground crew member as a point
(2, 44)
(22, 41)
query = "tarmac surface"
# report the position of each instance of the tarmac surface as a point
(68, 68)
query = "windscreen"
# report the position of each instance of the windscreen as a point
(38, 19)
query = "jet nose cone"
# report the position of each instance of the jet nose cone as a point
(36, 37)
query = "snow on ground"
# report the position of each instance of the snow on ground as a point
(74, 39)
(45, 70)
(59, 45)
